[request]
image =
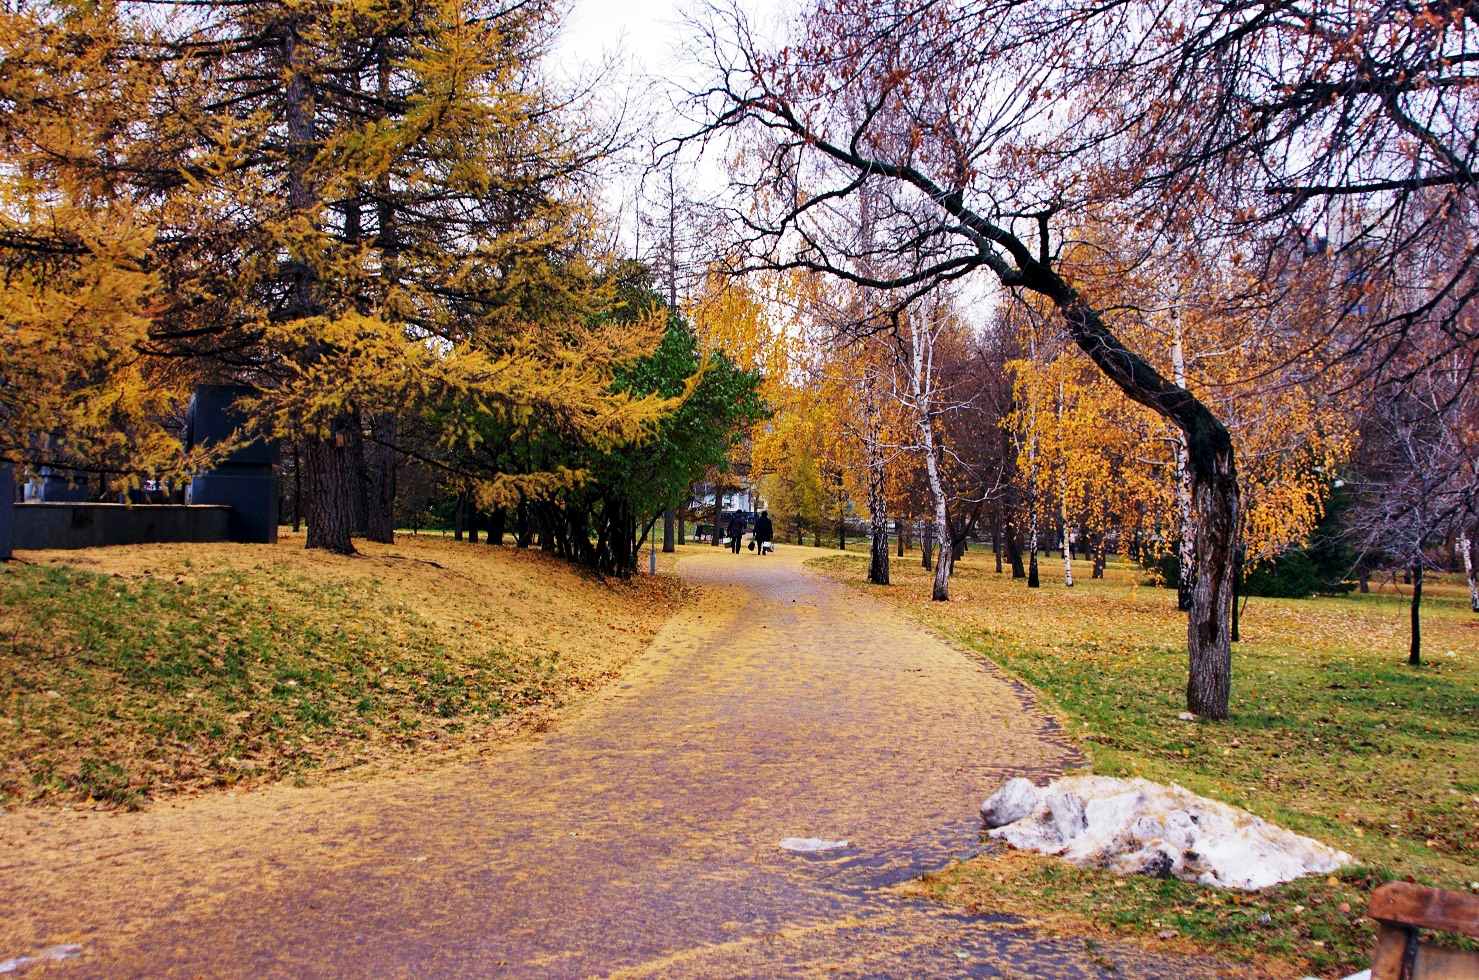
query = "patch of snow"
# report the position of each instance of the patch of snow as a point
(1134, 826)
(811, 844)
(1017, 798)
(63, 952)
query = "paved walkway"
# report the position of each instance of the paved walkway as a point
(637, 838)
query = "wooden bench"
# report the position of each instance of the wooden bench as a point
(1400, 910)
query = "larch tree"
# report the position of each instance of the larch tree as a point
(78, 291)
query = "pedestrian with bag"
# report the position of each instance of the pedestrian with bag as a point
(736, 531)
(763, 532)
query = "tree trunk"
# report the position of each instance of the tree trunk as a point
(927, 546)
(497, 522)
(332, 487)
(1467, 547)
(669, 524)
(1033, 582)
(941, 528)
(899, 525)
(682, 528)
(1414, 651)
(877, 491)
(878, 560)
(1237, 589)
(359, 475)
(297, 486)
(1100, 545)
(996, 537)
(1186, 548)
(1215, 499)
(523, 526)
(472, 520)
(718, 508)
(380, 520)
(459, 515)
(1014, 554)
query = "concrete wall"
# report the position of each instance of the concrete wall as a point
(7, 510)
(69, 525)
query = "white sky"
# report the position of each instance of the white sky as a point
(647, 32)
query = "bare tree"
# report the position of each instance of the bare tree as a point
(943, 145)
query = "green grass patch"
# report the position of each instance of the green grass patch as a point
(205, 667)
(1331, 735)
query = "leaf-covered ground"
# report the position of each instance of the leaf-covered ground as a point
(127, 673)
(1331, 735)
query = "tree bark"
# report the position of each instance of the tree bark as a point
(1237, 583)
(1014, 554)
(497, 522)
(899, 524)
(1033, 582)
(380, 521)
(331, 490)
(523, 526)
(996, 537)
(1414, 650)
(1467, 547)
(877, 489)
(927, 545)
(297, 486)
(1209, 641)
(1186, 548)
(669, 522)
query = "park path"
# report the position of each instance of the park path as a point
(637, 837)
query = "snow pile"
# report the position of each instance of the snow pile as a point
(1134, 826)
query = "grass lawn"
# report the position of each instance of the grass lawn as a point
(1332, 735)
(128, 673)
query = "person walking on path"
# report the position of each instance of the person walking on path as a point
(763, 531)
(736, 531)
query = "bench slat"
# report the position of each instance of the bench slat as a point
(1401, 903)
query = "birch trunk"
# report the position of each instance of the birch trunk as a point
(1186, 551)
(877, 488)
(1467, 548)
(1063, 501)
(1067, 552)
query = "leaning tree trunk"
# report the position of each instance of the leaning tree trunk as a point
(1467, 547)
(1214, 488)
(381, 458)
(1414, 650)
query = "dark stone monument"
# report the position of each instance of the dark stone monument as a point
(242, 480)
(7, 511)
(60, 487)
